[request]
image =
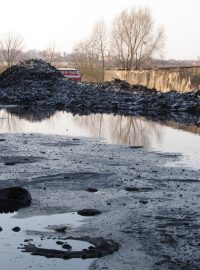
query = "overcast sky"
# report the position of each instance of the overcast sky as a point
(66, 22)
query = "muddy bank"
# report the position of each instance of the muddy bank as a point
(28, 84)
(150, 209)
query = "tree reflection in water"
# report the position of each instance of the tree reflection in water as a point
(14, 119)
(120, 129)
(115, 129)
(9, 123)
(32, 114)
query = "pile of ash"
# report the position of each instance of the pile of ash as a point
(30, 70)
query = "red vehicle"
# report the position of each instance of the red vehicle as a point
(71, 73)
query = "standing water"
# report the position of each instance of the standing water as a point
(116, 129)
(12, 242)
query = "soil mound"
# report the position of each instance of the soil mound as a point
(30, 70)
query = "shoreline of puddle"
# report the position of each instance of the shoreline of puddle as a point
(112, 129)
(12, 242)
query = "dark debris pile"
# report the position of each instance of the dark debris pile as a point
(36, 83)
(33, 69)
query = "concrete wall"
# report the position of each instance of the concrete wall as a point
(181, 79)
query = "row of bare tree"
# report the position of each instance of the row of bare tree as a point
(12, 51)
(11, 46)
(132, 41)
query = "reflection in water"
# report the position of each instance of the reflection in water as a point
(13, 258)
(32, 114)
(130, 130)
(16, 119)
(116, 129)
(121, 129)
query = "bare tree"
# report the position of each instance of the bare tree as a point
(87, 60)
(51, 55)
(30, 54)
(90, 54)
(100, 41)
(134, 38)
(11, 46)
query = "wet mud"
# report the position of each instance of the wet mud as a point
(149, 208)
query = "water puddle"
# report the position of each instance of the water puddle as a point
(131, 130)
(11, 242)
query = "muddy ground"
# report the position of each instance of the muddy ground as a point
(148, 207)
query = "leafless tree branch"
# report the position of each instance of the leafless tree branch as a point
(134, 38)
(11, 46)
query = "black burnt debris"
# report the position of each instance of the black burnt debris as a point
(89, 212)
(27, 71)
(102, 247)
(14, 198)
(36, 83)
(16, 229)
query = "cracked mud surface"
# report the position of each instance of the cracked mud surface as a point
(150, 209)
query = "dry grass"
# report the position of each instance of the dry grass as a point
(2, 69)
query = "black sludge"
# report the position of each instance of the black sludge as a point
(14, 198)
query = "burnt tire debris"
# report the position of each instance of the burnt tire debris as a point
(30, 70)
(101, 248)
(89, 212)
(14, 198)
(36, 83)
